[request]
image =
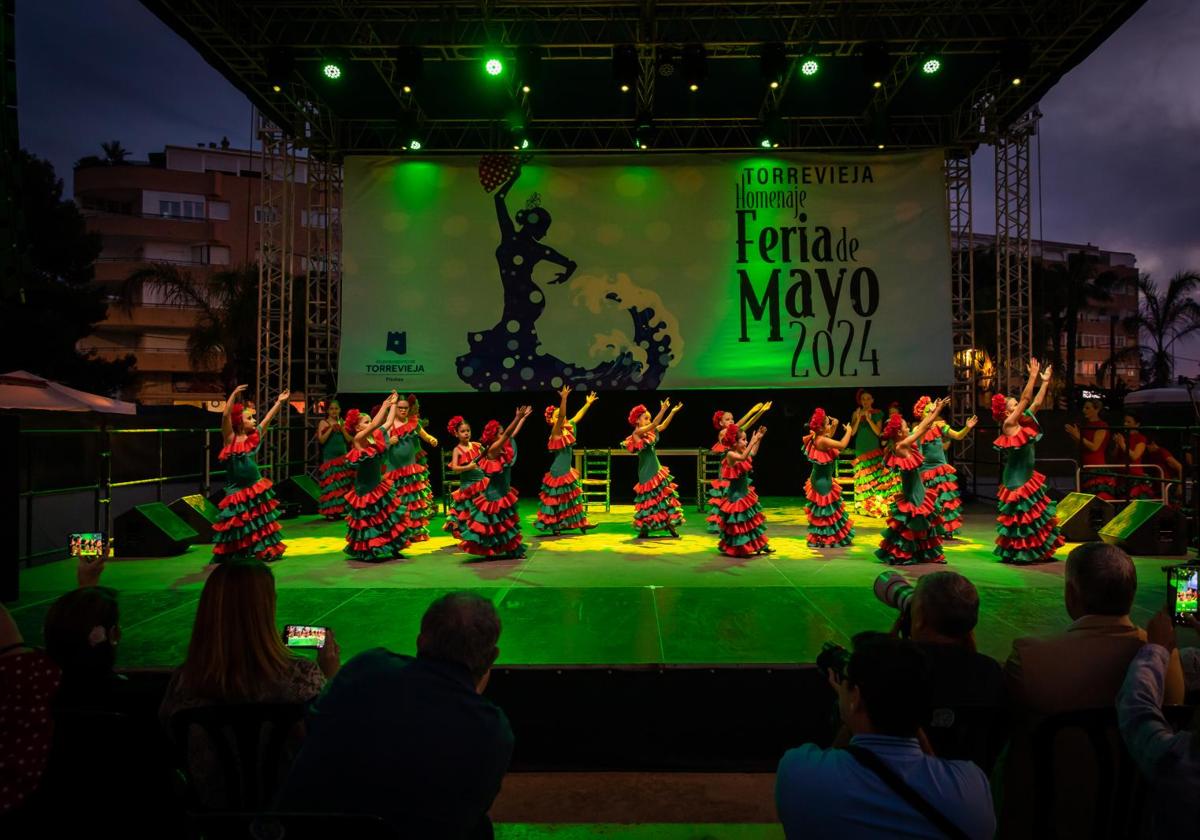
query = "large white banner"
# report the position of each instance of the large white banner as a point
(639, 272)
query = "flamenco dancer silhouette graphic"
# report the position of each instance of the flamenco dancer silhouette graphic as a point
(508, 356)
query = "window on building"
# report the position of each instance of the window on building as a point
(264, 215)
(1088, 368)
(169, 209)
(218, 210)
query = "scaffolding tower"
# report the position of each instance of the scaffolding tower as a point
(322, 291)
(1014, 253)
(962, 298)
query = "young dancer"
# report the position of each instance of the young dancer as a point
(1135, 446)
(492, 526)
(561, 496)
(411, 479)
(655, 497)
(471, 479)
(874, 483)
(1027, 529)
(422, 476)
(1094, 438)
(743, 529)
(334, 475)
(911, 535)
(716, 487)
(376, 519)
(828, 524)
(936, 471)
(248, 517)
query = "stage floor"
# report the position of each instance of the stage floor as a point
(600, 599)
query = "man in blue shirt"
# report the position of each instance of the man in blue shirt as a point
(883, 697)
(411, 740)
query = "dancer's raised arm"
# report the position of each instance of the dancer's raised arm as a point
(227, 431)
(666, 421)
(964, 431)
(587, 403)
(279, 403)
(561, 418)
(1038, 401)
(1014, 416)
(921, 428)
(387, 411)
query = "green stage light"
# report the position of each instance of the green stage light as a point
(331, 70)
(765, 143)
(414, 145)
(809, 66)
(932, 65)
(493, 66)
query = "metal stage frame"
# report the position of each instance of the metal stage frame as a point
(305, 125)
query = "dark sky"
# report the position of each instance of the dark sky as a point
(1120, 158)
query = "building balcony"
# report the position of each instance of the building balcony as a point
(156, 228)
(149, 360)
(119, 180)
(142, 317)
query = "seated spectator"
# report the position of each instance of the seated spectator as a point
(1084, 666)
(236, 655)
(945, 610)
(28, 680)
(410, 739)
(865, 791)
(1169, 760)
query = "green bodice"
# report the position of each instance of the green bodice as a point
(368, 472)
(648, 465)
(403, 453)
(334, 446)
(822, 477)
(934, 452)
(865, 439)
(912, 486)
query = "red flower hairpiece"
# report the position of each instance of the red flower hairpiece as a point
(730, 436)
(891, 429)
(352, 417)
(638, 411)
(717, 415)
(455, 422)
(236, 416)
(999, 407)
(919, 408)
(550, 409)
(490, 432)
(816, 423)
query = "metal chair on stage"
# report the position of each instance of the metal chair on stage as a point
(595, 473)
(844, 476)
(708, 469)
(451, 480)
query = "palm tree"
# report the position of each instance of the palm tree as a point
(1161, 321)
(114, 152)
(226, 330)
(1078, 285)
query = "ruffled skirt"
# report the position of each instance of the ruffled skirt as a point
(248, 524)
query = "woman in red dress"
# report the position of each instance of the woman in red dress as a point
(1094, 440)
(1135, 447)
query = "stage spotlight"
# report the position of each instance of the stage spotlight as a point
(280, 66)
(695, 66)
(771, 131)
(879, 130)
(409, 63)
(643, 132)
(809, 65)
(1015, 57)
(931, 65)
(414, 145)
(625, 67)
(529, 67)
(773, 63)
(333, 68)
(493, 66)
(876, 62)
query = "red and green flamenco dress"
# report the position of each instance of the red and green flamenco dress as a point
(911, 535)
(1104, 486)
(334, 475)
(1138, 489)
(377, 521)
(405, 472)
(743, 527)
(829, 525)
(423, 478)
(1027, 529)
(561, 505)
(874, 483)
(937, 474)
(492, 526)
(656, 505)
(471, 482)
(248, 517)
(716, 492)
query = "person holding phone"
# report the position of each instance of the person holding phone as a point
(248, 516)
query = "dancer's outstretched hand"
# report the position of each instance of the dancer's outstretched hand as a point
(564, 391)
(1033, 367)
(665, 403)
(1047, 373)
(972, 421)
(590, 398)
(283, 397)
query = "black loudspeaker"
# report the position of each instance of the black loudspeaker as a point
(300, 490)
(1148, 528)
(1082, 515)
(199, 513)
(151, 530)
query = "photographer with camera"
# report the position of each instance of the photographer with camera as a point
(883, 784)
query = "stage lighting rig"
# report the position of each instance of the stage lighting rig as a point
(643, 132)
(493, 65)
(694, 66)
(409, 64)
(876, 62)
(626, 68)
(931, 64)
(772, 131)
(809, 64)
(333, 67)
(773, 63)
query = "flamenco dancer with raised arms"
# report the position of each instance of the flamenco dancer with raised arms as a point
(716, 487)
(655, 496)
(743, 527)
(377, 521)
(334, 475)
(937, 472)
(911, 535)
(248, 516)
(491, 528)
(560, 505)
(828, 524)
(1027, 530)
(472, 480)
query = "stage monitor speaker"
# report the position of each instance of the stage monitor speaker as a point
(301, 490)
(151, 530)
(199, 513)
(1082, 515)
(1148, 528)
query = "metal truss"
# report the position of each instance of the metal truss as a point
(322, 291)
(277, 154)
(1014, 254)
(962, 299)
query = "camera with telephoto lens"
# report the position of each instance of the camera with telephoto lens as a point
(895, 590)
(833, 659)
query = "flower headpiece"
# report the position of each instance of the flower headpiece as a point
(638, 411)
(816, 423)
(455, 422)
(919, 407)
(717, 415)
(891, 429)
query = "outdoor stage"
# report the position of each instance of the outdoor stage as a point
(601, 599)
